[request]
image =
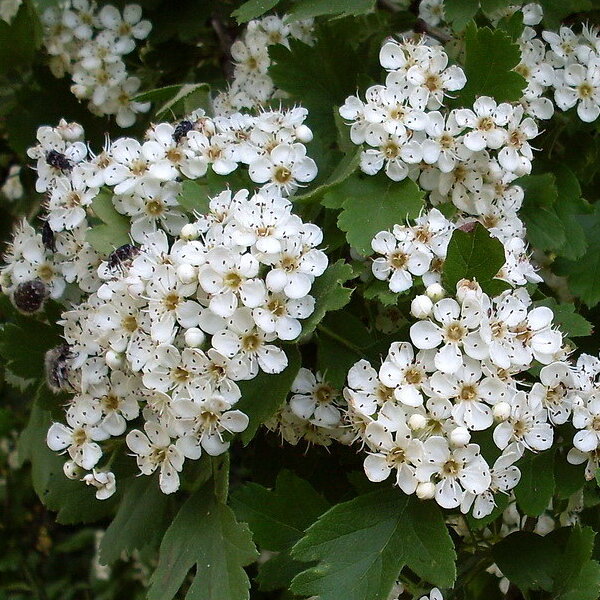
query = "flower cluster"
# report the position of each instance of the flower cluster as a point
(174, 327)
(90, 44)
(463, 374)
(314, 413)
(251, 86)
(145, 180)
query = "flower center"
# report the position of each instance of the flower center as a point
(276, 307)
(251, 342)
(455, 332)
(432, 83)
(390, 150)
(138, 167)
(155, 208)
(45, 272)
(468, 392)
(232, 280)
(486, 123)
(171, 301)
(180, 375)
(398, 259)
(396, 456)
(174, 155)
(585, 90)
(110, 402)
(324, 394)
(79, 437)
(451, 468)
(414, 376)
(129, 323)
(282, 175)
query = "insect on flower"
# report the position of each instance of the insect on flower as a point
(123, 254)
(58, 161)
(57, 368)
(182, 129)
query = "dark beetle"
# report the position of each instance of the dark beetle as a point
(57, 368)
(121, 255)
(58, 161)
(29, 296)
(48, 237)
(182, 129)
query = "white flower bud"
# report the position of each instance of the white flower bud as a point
(189, 232)
(114, 360)
(421, 307)
(501, 411)
(417, 421)
(435, 292)
(425, 491)
(304, 134)
(186, 273)
(194, 337)
(460, 437)
(71, 470)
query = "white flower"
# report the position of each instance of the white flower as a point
(401, 259)
(486, 121)
(249, 345)
(154, 450)
(79, 440)
(527, 425)
(103, 481)
(314, 399)
(586, 418)
(393, 449)
(457, 471)
(285, 167)
(582, 87)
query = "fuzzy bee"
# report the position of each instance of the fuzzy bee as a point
(57, 368)
(58, 161)
(182, 129)
(122, 255)
(48, 237)
(29, 296)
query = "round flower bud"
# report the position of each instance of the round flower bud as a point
(194, 337)
(425, 491)
(435, 292)
(420, 307)
(136, 288)
(460, 437)
(189, 232)
(114, 360)
(304, 134)
(71, 470)
(417, 421)
(29, 296)
(501, 411)
(186, 273)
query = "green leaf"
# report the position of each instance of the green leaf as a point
(308, 9)
(571, 323)
(474, 255)
(253, 9)
(569, 206)
(320, 77)
(114, 231)
(544, 227)
(24, 343)
(556, 563)
(261, 406)
(491, 6)
(490, 58)
(341, 340)
(188, 98)
(278, 517)
(584, 274)
(329, 294)
(204, 534)
(380, 290)
(460, 12)
(378, 206)
(341, 173)
(556, 10)
(139, 522)
(536, 487)
(194, 196)
(362, 545)
(19, 41)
